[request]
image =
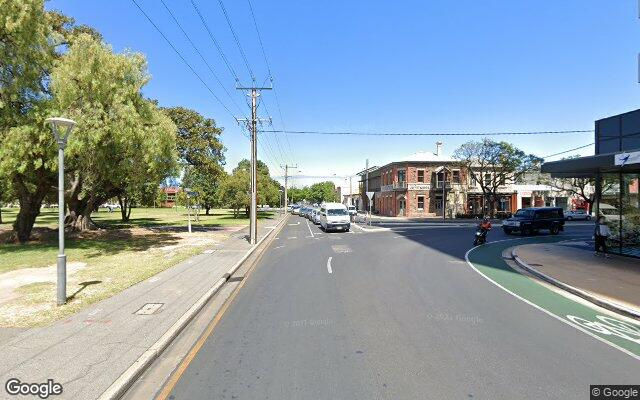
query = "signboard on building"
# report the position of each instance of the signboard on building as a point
(419, 186)
(627, 158)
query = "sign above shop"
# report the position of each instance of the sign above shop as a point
(623, 159)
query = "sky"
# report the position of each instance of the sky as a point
(437, 66)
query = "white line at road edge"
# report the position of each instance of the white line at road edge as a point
(309, 226)
(466, 257)
(329, 265)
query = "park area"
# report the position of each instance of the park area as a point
(102, 262)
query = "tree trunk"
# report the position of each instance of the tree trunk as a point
(79, 216)
(23, 225)
(206, 212)
(30, 204)
(125, 210)
(0, 214)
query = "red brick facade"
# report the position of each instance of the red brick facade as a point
(415, 189)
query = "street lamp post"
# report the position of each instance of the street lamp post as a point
(61, 128)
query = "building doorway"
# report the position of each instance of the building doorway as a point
(402, 206)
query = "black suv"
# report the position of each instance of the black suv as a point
(530, 220)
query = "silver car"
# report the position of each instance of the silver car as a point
(316, 217)
(577, 215)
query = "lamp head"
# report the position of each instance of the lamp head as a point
(61, 128)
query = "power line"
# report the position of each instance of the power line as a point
(428, 134)
(569, 151)
(181, 57)
(266, 61)
(601, 139)
(235, 37)
(200, 54)
(264, 54)
(215, 42)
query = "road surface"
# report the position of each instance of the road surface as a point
(399, 313)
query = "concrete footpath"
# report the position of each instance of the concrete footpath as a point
(89, 351)
(610, 282)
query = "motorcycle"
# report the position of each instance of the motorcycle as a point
(481, 236)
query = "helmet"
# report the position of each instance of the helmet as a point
(486, 218)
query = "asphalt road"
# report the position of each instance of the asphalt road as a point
(396, 314)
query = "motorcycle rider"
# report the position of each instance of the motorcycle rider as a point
(485, 224)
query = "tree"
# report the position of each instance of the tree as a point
(197, 138)
(200, 153)
(492, 164)
(27, 52)
(122, 142)
(31, 40)
(323, 192)
(206, 185)
(235, 190)
(297, 195)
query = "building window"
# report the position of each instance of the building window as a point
(401, 176)
(456, 176)
(487, 179)
(421, 175)
(420, 203)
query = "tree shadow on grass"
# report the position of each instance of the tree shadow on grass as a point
(98, 243)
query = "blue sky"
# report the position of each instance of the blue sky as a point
(381, 66)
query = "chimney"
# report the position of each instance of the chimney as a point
(438, 148)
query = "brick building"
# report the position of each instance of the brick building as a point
(424, 184)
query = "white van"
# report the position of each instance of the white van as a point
(352, 210)
(334, 216)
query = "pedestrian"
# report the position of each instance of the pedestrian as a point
(600, 235)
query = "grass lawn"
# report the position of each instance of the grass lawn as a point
(101, 263)
(140, 217)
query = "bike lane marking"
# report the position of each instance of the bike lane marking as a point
(488, 262)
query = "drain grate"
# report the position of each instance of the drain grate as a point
(149, 309)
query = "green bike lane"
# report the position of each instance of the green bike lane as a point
(487, 260)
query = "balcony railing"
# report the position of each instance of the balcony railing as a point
(440, 185)
(399, 185)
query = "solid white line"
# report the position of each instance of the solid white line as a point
(309, 226)
(292, 237)
(329, 265)
(466, 257)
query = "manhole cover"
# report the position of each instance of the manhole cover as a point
(149, 308)
(341, 248)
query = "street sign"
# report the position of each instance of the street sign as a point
(370, 195)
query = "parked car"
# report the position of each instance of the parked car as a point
(111, 207)
(352, 210)
(303, 211)
(295, 210)
(577, 215)
(334, 216)
(528, 221)
(316, 216)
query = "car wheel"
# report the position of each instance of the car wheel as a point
(554, 230)
(524, 231)
(588, 217)
(507, 231)
(569, 218)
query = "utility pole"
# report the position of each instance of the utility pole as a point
(253, 124)
(286, 178)
(366, 189)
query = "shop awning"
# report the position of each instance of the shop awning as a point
(589, 166)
